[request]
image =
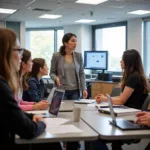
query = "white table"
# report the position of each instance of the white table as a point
(88, 133)
(100, 123)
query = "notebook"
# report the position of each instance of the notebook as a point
(119, 110)
(85, 101)
(122, 123)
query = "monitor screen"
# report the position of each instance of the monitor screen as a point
(96, 60)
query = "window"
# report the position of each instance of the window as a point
(60, 34)
(43, 43)
(146, 52)
(112, 39)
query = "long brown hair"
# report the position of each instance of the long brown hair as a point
(65, 38)
(133, 63)
(25, 58)
(37, 64)
(7, 42)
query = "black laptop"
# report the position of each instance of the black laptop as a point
(122, 123)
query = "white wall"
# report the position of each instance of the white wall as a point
(22, 34)
(2, 24)
(135, 35)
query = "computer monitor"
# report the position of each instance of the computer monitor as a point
(97, 60)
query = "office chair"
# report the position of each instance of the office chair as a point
(146, 103)
(116, 91)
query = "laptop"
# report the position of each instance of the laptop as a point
(54, 99)
(122, 123)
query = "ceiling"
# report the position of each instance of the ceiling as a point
(107, 12)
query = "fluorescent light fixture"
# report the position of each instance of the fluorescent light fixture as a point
(7, 11)
(93, 2)
(139, 12)
(85, 21)
(48, 16)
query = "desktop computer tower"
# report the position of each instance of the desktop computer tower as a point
(104, 76)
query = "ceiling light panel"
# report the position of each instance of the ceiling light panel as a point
(7, 11)
(92, 2)
(139, 12)
(49, 16)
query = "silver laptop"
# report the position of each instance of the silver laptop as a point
(122, 123)
(54, 99)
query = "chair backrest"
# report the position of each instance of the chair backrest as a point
(146, 103)
(116, 91)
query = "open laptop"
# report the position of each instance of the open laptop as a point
(122, 123)
(54, 99)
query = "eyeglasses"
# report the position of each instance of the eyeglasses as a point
(20, 50)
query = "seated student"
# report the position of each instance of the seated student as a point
(26, 67)
(35, 91)
(14, 121)
(134, 83)
(143, 118)
(134, 86)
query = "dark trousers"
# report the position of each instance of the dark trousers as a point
(71, 95)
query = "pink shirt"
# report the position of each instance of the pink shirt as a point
(24, 105)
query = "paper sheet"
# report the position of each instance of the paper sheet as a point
(39, 112)
(53, 122)
(104, 104)
(63, 129)
(85, 101)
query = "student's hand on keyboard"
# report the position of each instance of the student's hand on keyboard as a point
(143, 118)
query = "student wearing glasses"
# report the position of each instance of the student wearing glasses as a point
(26, 67)
(14, 121)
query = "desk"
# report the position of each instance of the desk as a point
(88, 133)
(100, 123)
(67, 106)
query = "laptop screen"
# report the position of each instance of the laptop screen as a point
(56, 101)
(111, 108)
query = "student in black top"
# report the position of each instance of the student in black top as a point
(134, 83)
(134, 87)
(13, 119)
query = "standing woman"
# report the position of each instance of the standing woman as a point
(13, 119)
(25, 68)
(67, 69)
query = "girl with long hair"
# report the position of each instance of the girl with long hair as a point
(134, 83)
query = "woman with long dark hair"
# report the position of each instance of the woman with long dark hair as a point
(134, 83)
(67, 69)
(35, 91)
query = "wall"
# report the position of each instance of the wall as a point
(135, 35)
(2, 24)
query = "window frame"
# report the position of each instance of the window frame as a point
(55, 29)
(109, 25)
